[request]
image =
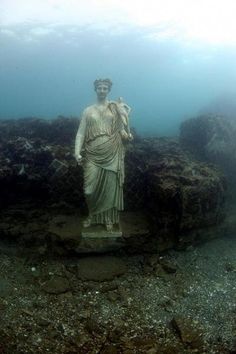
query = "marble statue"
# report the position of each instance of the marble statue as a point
(99, 148)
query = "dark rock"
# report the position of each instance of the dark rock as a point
(138, 343)
(43, 322)
(152, 260)
(230, 267)
(160, 272)
(183, 195)
(188, 331)
(66, 227)
(113, 296)
(109, 287)
(93, 327)
(168, 266)
(6, 289)
(110, 349)
(117, 330)
(81, 339)
(100, 268)
(60, 130)
(56, 285)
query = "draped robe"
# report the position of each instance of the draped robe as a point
(103, 166)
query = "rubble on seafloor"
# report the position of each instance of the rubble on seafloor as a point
(148, 302)
(179, 302)
(168, 194)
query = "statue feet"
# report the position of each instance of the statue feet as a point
(87, 222)
(109, 226)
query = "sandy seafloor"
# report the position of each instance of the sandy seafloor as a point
(179, 302)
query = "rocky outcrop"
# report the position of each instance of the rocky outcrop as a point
(174, 194)
(182, 195)
(213, 139)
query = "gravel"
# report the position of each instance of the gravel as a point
(130, 313)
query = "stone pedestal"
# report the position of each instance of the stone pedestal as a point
(69, 234)
(95, 239)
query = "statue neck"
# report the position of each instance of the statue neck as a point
(102, 102)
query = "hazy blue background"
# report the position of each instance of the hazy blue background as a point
(47, 71)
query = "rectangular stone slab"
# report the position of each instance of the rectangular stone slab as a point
(96, 239)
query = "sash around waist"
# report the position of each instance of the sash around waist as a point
(106, 152)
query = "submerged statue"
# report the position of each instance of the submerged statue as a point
(103, 128)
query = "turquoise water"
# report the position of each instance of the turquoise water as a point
(165, 81)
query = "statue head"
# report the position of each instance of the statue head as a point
(102, 88)
(106, 82)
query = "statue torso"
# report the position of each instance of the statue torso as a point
(99, 121)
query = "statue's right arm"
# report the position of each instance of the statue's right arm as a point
(80, 136)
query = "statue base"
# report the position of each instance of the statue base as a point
(95, 239)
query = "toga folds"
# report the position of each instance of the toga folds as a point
(103, 165)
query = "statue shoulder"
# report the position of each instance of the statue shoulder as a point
(88, 110)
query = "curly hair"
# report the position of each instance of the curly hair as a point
(107, 82)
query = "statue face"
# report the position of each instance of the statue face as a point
(102, 91)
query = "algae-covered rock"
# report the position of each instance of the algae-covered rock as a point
(211, 138)
(173, 193)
